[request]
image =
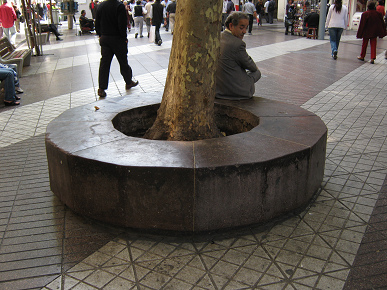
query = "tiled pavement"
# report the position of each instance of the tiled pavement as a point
(338, 242)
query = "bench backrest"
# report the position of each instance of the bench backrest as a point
(5, 47)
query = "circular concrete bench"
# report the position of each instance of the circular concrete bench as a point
(247, 178)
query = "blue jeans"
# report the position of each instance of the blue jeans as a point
(334, 37)
(14, 68)
(6, 76)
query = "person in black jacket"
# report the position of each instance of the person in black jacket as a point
(110, 25)
(171, 14)
(157, 18)
(312, 20)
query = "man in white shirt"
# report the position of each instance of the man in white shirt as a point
(266, 6)
(147, 16)
(249, 9)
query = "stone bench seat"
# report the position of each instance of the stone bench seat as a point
(241, 179)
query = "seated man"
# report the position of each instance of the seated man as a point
(86, 22)
(50, 28)
(312, 20)
(237, 73)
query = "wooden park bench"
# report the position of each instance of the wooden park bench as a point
(8, 54)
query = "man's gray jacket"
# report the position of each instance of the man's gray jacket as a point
(232, 79)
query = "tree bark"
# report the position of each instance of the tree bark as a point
(186, 112)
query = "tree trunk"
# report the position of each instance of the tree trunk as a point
(187, 107)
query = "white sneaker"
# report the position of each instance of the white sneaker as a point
(18, 90)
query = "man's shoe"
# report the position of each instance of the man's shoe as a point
(159, 42)
(372, 61)
(135, 36)
(360, 58)
(335, 54)
(19, 90)
(102, 93)
(131, 85)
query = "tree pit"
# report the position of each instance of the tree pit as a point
(274, 167)
(230, 120)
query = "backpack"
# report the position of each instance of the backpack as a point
(271, 6)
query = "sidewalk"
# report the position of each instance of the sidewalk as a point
(338, 242)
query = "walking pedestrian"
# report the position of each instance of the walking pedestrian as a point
(110, 25)
(7, 19)
(370, 28)
(148, 8)
(336, 22)
(250, 10)
(171, 14)
(260, 11)
(157, 16)
(266, 7)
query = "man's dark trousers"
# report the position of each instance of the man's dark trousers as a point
(157, 32)
(251, 20)
(110, 46)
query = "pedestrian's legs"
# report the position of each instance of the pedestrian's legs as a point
(104, 65)
(6, 33)
(6, 76)
(52, 28)
(121, 52)
(251, 18)
(224, 17)
(136, 25)
(172, 21)
(148, 25)
(271, 17)
(332, 39)
(339, 31)
(157, 33)
(364, 47)
(17, 25)
(141, 25)
(167, 25)
(373, 42)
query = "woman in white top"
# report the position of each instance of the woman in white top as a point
(337, 21)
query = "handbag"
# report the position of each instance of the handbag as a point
(152, 34)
